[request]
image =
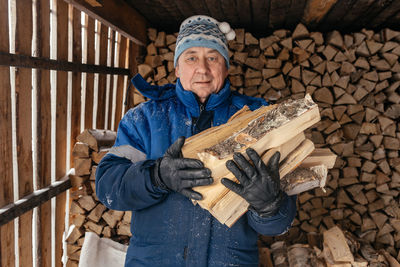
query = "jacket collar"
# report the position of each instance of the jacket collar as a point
(188, 98)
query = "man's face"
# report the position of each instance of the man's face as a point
(202, 71)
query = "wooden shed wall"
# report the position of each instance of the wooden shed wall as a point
(61, 71)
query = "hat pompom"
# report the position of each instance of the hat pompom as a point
(224, 27)
(230, 35)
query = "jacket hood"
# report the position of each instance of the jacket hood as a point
(153, 92)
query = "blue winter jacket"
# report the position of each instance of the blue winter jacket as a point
(167, 229)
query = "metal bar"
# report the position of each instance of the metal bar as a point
(16, 209)
(24, 61)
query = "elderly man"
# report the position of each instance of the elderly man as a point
(145, 172)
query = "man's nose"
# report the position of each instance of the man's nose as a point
(202, 67)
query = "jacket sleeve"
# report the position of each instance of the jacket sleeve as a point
(277, 224)
(123, 185)
(123, 176)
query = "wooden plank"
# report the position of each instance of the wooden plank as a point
(25, 61)
(294, 13)
(215, 9)
(133, 53)
(89, 77)
(387, 11)
(230, 10)
(361, 7)
(277, 14)
(121, 84)
(168, 7)
(36, 231)
(27, 203)
(60, 226)
(373, 10)
(244, 11)
(6, 182)
(157, 14)
(393, 22)
(113, 96)
(96, 76)
(76, 76)
(23, 90)
(337, 12)
(109, 78)
(7, 257)
(61, 124)
(260, 18)
(6, 192)
(184, 7)
(315, 10)
(199, 7)
(44, 132)
(126, 79)
(102, 78)
(83, 75)
(117, 15)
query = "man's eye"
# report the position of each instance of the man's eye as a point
(191, 58)
(212, 58)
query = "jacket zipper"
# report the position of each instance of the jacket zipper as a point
(201, 107)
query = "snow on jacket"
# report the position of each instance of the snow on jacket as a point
(167, 229)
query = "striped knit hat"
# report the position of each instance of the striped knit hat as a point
(204, 31)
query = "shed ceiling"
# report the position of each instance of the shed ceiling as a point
(261, 17)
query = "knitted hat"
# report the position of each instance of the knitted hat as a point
(204, 31)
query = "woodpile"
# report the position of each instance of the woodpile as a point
(354, 78)
(335, 248)
(87, 213)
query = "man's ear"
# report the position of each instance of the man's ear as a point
(177, 71)
(226, 72)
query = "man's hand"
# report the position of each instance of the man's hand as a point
(179, 174)
(259, 184)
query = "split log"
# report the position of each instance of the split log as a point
(97, 138)
(335, 245)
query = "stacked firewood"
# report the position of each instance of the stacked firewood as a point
(354, 78)
(335, 248)
(87, 213)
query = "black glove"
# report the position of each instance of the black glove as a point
(179, 174)
(259, 184)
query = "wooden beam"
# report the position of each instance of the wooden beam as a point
(24, 61)
(317, 9)
(25, 204)
(119, 16)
